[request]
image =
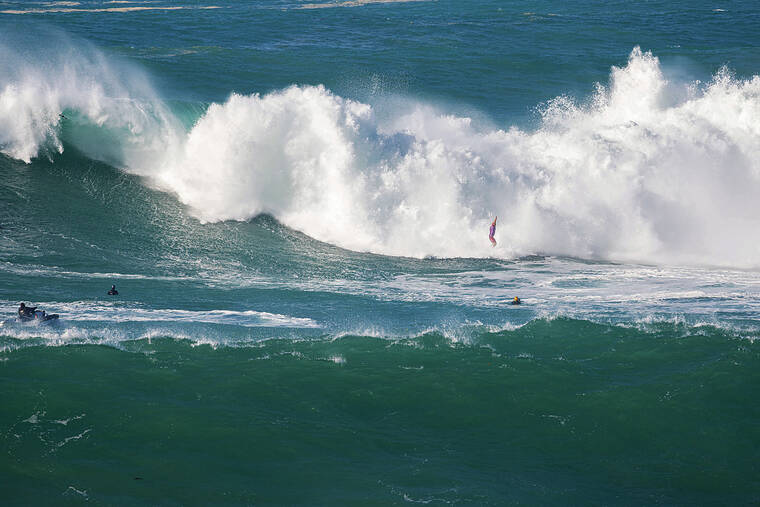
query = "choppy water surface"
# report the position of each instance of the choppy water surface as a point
(293, 200)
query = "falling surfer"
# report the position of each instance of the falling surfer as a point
(492, 231)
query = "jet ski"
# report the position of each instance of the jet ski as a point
(38, 316)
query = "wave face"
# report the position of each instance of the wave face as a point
(645, 169)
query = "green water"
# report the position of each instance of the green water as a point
(557, 412)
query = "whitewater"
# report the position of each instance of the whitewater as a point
(645, 169)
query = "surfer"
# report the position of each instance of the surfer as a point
(113, 291)
(492, 231)
(516, 301)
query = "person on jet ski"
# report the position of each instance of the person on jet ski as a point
(26, 312)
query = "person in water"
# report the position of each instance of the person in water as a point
(113, 291)
(516, 301)
(492, 231)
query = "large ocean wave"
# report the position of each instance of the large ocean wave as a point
(644, 169)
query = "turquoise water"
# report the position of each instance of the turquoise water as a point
(293, 200)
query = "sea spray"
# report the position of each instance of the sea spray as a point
(59, 90)
(644, 170)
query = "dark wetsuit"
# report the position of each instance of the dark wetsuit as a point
(27, 312)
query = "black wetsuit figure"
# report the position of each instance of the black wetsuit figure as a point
(26, 312)
(113, 291)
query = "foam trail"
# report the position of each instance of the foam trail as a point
(645, 170)
(79, 312)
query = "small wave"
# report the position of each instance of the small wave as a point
(564, 331)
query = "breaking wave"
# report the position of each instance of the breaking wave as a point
(644, 169)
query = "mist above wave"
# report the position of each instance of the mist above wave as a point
(643, 170)
(114, 113)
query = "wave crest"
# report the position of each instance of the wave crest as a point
(60, 91)
(644, 170)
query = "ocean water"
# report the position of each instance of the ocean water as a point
(293, 200)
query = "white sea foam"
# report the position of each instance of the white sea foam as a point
(88, 311)
(54, 271)
(80, 492)
(645, 170)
